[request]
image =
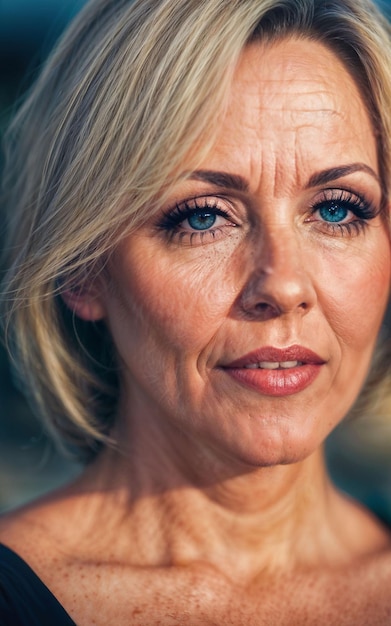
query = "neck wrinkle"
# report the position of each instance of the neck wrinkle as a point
(246, 525)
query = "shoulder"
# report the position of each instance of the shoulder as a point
(30, 558)
(23, 530)
(38, 533)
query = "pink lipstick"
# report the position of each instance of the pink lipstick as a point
(276, 371)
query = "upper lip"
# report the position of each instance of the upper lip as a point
(278, 355)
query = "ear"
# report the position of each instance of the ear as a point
(86, 302)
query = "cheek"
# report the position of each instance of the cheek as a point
(358, 290)
(182, 304)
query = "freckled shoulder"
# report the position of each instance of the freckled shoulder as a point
(30, 532)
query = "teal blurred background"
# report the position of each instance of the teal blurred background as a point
(359, 453)
(29, 464)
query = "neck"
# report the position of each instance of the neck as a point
(245, 519)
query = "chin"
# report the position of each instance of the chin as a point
(279, 446)
(271, 458)
(243, 457)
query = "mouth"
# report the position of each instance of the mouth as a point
(273, 365)
(275, 371)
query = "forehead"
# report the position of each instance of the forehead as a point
(297, 75)
(295, 95)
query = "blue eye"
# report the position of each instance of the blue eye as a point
(342, 213)
(201, 220)
(333, 212)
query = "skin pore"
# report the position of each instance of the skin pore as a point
(220, 484)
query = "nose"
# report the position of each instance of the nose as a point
(279, 279)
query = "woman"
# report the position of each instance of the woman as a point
(199, 267)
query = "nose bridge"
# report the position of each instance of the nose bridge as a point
(282, 255)
(279, 280)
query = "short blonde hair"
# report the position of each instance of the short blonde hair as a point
(129, 91)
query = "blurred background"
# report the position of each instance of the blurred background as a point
(359, 452)
(29, 464)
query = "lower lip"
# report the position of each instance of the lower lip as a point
(278, 382)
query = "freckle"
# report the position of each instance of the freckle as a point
(136, 612)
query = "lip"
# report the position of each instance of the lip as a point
(269, 353)
(277, 382)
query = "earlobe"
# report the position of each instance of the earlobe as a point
(84, 303)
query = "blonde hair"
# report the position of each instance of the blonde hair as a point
(130, 90)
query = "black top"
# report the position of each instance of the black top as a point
(24, 599)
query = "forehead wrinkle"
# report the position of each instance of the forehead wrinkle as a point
(295, 89)
(298, 123)
(288, 179)
(296, 114)
(285, 119)
(284, 170)
(297, 106)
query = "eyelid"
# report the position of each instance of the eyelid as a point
(346, 191)
(203, 201)
(359, 202)
(180, 210)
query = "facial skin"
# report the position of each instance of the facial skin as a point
(182, 304)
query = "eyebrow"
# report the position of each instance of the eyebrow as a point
(221, 179)
(225, 180)
(327, 176)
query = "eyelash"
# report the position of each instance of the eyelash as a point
(173, 218)
(362, 209)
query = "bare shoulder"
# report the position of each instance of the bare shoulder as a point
(356, 590)
(355, 595)
(40, 531)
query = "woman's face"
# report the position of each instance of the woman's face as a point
(246, 312)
